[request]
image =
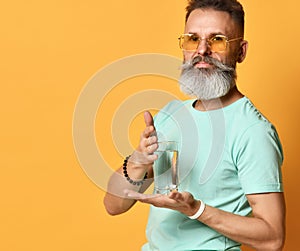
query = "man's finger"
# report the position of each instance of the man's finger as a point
(139, 196)
(175, 195)
(148, 119)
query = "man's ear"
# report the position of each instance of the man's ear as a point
(243, 51)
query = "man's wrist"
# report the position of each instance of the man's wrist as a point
(134, 175)
(199, 212)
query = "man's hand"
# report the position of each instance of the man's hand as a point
(148, 143)
(183, 202)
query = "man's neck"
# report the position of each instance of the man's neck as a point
(214, 104)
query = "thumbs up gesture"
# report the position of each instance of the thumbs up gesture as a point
(148, 143)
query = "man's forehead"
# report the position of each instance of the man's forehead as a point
(209, 21)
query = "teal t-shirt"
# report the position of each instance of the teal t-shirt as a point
(223, 155)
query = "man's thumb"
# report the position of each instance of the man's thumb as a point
(148, 118)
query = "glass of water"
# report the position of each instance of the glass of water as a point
(165, 168)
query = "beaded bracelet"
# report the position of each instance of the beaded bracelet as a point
(138, 183)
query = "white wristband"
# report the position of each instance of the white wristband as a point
(199, 212)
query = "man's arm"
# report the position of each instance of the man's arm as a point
(263, 231)
(115, 201)
(139, 163)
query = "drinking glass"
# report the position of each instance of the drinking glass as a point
(165, 168)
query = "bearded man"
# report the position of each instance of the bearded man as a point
(230, 190)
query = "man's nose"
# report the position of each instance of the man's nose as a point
(203, 48)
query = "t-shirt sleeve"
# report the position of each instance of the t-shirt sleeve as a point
(259, 158)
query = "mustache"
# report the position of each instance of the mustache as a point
(219, 65)
(198, 59)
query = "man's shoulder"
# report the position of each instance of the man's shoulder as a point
(246, 121)
(245, 113)
(175, 106)
(176, 112)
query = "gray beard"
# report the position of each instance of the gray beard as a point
(204, 83)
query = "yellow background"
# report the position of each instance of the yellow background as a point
(49, 49)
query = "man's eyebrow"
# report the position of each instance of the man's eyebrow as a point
(217, 33)
(210, 35)
(193, 33)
